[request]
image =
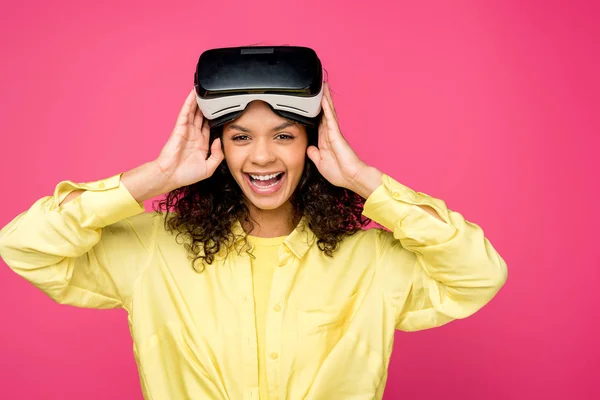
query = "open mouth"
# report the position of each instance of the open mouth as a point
(265, 181)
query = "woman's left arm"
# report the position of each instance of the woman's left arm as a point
(336, 160)
(435, 265)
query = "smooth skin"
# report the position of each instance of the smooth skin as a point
(183, 161)
(261, 143)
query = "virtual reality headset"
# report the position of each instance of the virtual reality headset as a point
(288, 78)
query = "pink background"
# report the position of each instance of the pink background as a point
(492, 106)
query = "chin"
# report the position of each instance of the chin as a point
(266, 204)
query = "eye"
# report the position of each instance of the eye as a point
(239, 138)
(285, 136)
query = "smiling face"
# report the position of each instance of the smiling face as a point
(265, 154)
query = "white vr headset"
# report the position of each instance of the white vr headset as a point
(288, 78)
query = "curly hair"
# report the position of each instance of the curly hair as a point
(206, 211)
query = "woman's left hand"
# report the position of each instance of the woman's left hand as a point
(335, 159)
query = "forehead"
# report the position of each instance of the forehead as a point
(259, 116)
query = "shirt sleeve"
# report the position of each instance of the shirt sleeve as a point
(87, 252)
(433, 272)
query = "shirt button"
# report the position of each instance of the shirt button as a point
(101, 185)
(274, 356)
(277, 308)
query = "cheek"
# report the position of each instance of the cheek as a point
(233, 158)
(296, 162)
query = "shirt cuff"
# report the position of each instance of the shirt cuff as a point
(395, 206)
(108, 199)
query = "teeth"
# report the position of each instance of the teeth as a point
(265, 177)
(266, 186)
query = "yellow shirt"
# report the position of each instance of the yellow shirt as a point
(330, 321)
(263, 267)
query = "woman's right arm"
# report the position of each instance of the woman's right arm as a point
(143, 183)
(88, 243)
(86, 252)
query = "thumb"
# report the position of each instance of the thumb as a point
(313, 153)
(216, 155)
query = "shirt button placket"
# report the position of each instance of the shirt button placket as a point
(281, 279)
(250, 359)
(285, 256)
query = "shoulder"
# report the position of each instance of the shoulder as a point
(144, 220)
(144, 226)
(373, 237)
(374, 240)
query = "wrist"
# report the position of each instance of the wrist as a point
(365, 181)
(146, 181)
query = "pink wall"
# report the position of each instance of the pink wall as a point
(492, 106)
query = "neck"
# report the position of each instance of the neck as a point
(270, 223)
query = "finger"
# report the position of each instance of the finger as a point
(327, 108)
(332, 128)
(322, 132)
(193, 108)
(206, 131)
(198, 122)
(188, 106)
(330, 99)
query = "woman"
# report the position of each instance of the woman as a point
(274, 291)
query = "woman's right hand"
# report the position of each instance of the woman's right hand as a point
(183, 160)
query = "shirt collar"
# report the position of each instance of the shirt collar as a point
(298, 241)
(301, 239)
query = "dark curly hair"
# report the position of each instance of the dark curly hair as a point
(205, 212)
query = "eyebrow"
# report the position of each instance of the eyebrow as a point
(238, 128)
(246, 130)
(284, 125)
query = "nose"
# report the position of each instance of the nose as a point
(262, 152)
